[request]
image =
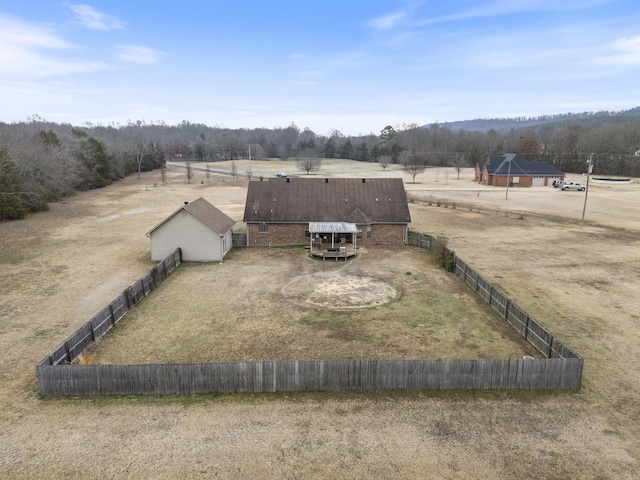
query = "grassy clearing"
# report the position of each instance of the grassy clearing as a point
(581, 282)
(240, 310)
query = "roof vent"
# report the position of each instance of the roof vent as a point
(326, 180)
(288, 179)
(364, 180)
(186, 203)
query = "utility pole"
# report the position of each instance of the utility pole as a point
(586, 190)
(506, 194)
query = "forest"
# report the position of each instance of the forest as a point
(42, 162)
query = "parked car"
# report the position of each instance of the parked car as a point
(574, 186)
(281, 175)
(558, 183)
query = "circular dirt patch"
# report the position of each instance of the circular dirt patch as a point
(335, 290)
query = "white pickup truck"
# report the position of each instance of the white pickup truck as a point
(573, 186)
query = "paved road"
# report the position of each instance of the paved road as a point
(219, 171)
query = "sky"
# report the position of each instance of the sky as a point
(354, 66)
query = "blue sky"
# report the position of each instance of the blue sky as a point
(355, 66)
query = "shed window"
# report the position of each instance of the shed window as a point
(263, 228)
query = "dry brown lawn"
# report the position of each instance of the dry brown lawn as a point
(279, 304)
(60, 267)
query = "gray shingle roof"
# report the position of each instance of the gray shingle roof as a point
(499, 165)
(354, 200)
(206, 213)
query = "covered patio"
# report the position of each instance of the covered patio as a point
(333, 239)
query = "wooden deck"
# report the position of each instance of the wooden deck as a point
(336, 253)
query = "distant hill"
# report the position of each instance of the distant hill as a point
(558, 120)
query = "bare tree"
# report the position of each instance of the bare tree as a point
(384, 161)
(458, 162)
(189, 172)
(249, 173)
(139, 144)
(207, 172)
(405, 158)
(414, 167)
(307, 162)
(234, 170)
(163, 174)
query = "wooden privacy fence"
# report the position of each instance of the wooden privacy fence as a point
(421, 240)
(561, 369)
(536, 334)
(239, 239)
(109, 316)
(309, 375)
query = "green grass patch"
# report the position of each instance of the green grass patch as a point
(325, 318)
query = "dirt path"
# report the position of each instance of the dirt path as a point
(60, 267)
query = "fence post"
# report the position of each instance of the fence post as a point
(506, 309)
(526, 327)
(66, 349)
(127, 295)
(113, 316)
(93, 336)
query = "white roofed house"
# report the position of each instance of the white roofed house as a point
(203, 233)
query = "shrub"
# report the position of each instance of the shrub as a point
(450, 261)
(444, 257)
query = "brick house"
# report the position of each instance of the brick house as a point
(519, 171)
(278, 212)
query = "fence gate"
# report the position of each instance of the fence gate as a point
(239, 240)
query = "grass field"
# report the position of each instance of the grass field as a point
(278, 304)
(60, 267)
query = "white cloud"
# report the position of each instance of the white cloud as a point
(16, 33)
(33, 51)
(138, 54)
(507, 7)
(388, 21)
(91, 18)
(626, 52)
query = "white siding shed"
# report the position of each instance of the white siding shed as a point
(203, 232)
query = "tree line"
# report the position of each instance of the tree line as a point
(42, 161)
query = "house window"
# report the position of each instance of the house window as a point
(359, 235)
(307, 234)
(263, 228)
(368, 231)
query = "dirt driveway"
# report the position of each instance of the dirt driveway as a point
(60, 267)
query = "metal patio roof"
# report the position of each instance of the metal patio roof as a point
(332, 227)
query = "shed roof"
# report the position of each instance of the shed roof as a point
(206, 213)
(303, 200)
